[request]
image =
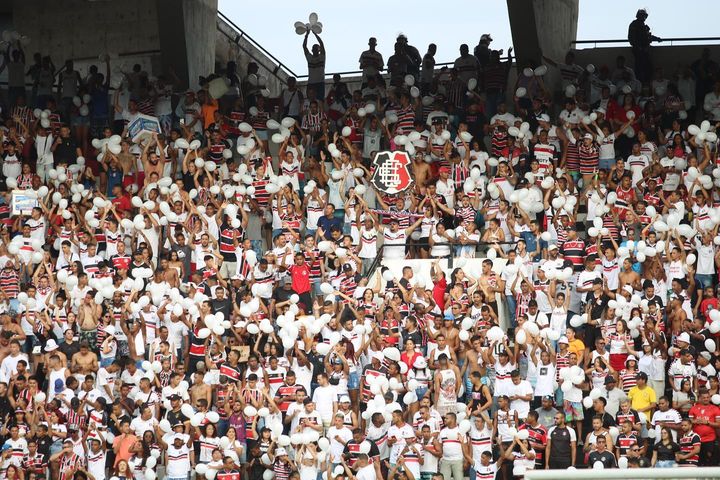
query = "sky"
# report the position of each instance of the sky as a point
(346, 29)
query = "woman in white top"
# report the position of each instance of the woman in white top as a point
(440, 242)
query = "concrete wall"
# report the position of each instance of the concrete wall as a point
(542, 27)
(151, 33)
(200, 34)
(82, 29)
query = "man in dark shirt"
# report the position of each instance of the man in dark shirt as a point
(328, 221)
(65, 150)
(601, 454)
(283, 294)
(43, 440)
(175, 415)
(221, 302)
(599, 408)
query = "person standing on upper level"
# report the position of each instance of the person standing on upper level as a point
(316, 64)
(640, 38)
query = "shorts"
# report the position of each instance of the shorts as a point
(353, 381)
(573, 411)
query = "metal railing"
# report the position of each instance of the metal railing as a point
(240, 34)
(665, 41)
(278, 65)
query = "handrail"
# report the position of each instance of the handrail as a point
(359, 72)
(279, 64)
(664, 40)
(257, 45)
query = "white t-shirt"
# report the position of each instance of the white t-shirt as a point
(337, 447)
(450, 439)
(522, 389)
(324, 398)
(178, 464)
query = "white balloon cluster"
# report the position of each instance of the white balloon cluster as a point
(111, 144)
(313, 25)
(520, 133)
(82, 104)
(284, 129)
(703, 133)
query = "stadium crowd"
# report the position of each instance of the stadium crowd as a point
(210, 299)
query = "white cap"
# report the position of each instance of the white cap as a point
(564, 340)
(50, 345)
(683, 337)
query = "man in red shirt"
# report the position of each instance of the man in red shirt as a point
(706, 419)
(300, 274)
(122, 199)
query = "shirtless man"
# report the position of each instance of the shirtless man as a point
(152, 161)
(452, 333)
(84, 362)
(420, 169)
(14, 330)
(5, 344)
(490, 284)
(199, 388)
(88, 315)
(170, 275)
(628, 276)
(128, 163)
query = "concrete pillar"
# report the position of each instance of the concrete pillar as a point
(187, 32)
(542, 27)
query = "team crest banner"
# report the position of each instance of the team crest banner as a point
(392, 172)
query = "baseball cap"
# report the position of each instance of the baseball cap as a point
(610, 379)
(564, 340)
(552, 246)
(549, 397)
(420, 363)
(543, 118)
(280, 452)
(344, 399)
(683, 337)
(175, 396)
(588, 136)
(486, 37)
